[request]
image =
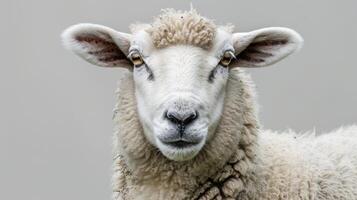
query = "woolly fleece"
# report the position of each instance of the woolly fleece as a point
(240, 162)
(182, 27)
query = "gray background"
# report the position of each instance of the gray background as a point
(55, 110)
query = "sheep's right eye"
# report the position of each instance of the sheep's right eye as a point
(136, 59)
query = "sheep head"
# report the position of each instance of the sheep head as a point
(180, 65)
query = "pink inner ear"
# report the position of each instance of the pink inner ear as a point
(102, 50)
(256, 52)
(269, 43)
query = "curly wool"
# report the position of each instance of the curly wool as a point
(182, 27)
(240, 162)
(306, 166)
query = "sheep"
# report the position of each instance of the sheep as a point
(186, 124)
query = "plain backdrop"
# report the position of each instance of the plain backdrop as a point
(56, 109)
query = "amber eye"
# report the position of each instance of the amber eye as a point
(136, 59)
(226, 58)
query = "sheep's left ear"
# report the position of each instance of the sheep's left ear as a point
(265, 46)
(99, 45)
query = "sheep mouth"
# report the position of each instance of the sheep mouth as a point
(180, 144)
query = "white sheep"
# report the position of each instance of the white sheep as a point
(185, 119)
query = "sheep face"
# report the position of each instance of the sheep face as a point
(180, 87)
(180, 92)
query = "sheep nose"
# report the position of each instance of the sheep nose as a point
(181, 119)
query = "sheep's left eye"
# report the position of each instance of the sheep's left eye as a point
(136, 59)
(226, 58)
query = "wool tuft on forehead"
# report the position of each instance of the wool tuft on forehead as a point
(182, 27)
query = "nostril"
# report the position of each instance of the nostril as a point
(181, 119)
(171, 117)
(190, 118)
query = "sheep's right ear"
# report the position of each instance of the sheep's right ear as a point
(98, 44)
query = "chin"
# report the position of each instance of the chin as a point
(180, 153)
